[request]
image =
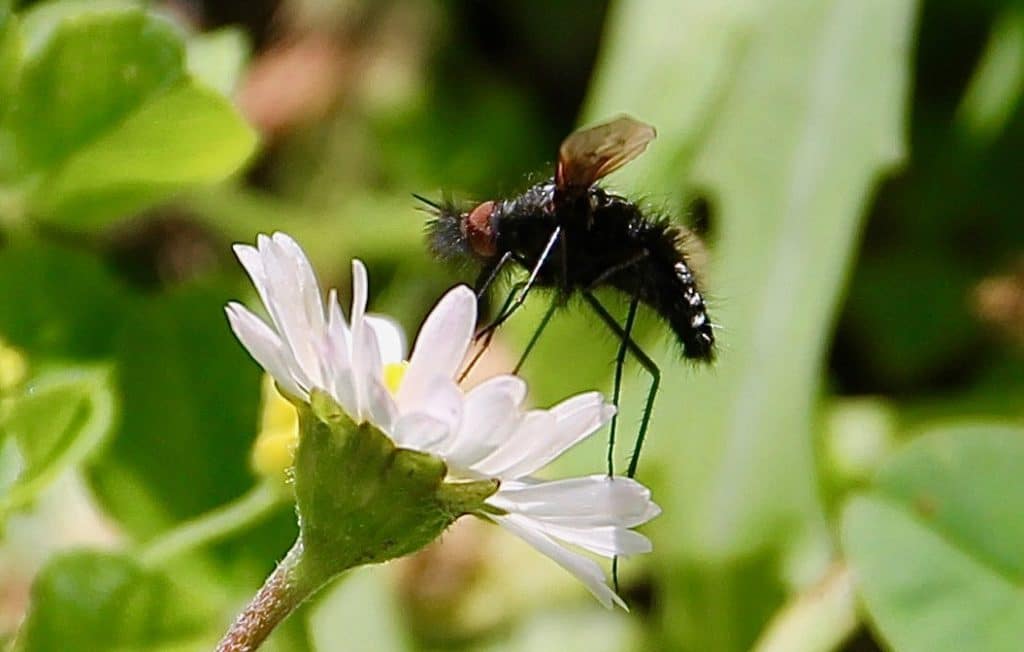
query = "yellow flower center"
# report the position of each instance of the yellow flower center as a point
(394, 372)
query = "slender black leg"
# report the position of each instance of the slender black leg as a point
(646, 362)
(620, 360)
(487, 337)
(489, 274)
(536, 334)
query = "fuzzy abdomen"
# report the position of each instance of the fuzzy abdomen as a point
(665, 282)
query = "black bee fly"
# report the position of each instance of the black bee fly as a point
(574, 237)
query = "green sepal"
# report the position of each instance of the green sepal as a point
(363, 500)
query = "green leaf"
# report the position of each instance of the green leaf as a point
(10, 55)
(57, 421)
(217, 58)
(935, 546)
(105, 118)
(831, 81)
(670, 76)
(58, 302)
(359, 613)
(88, 68)
(190, 398)
(189, 135)
(91, 601)
(787, 136)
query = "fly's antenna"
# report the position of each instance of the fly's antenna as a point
(429, 202)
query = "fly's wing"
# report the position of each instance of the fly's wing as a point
(590, 154)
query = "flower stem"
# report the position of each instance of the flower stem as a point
(283, 591)
(213, 526)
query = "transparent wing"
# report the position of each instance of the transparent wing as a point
(590, 154)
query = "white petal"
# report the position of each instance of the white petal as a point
(541, 439)
(491, 415)
(361, 365)
(441, 344)
(360, 290)
(595, 500)
(585, 570)
(607, 541)
(305, 279)
(533, 427)
(575, 419)
(418, 431)
(380, 406)
(336, 324)
(265, 347)
(288, 301)
(252, 262)
(337, 352)
(443, 402)
(367, 372)
(390, 338)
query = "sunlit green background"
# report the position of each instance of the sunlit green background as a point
(848, 476)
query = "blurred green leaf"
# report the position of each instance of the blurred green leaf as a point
(998, 81)
(92, 601)
(189, 135)
(807, 122)
(568, 630)
(10, 53)
(670, 64)
(812, 121)
(57, 420)
(217, 58)
(190, 405)
(935, 546)
(88, 68)
(105, 119)
(58, 302)
(358, 614)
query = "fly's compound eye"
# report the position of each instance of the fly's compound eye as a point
(477, 229)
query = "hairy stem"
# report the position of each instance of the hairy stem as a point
(282, 593)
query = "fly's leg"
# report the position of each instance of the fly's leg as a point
(649, 365)
(515, 301)
(536, 334)
(645, 361)
(620, 360)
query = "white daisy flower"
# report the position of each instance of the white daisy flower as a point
(485, 433)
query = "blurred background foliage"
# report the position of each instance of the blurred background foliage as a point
(849, 476)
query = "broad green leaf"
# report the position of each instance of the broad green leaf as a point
(190, 398)
(935, 546)
(88, 68)
(105, 118)
(669, 63)
(186, 136)
(811, 123)
(57, 420)
(217, 58)
(102, 602)
(788, 152)
(57, 301)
